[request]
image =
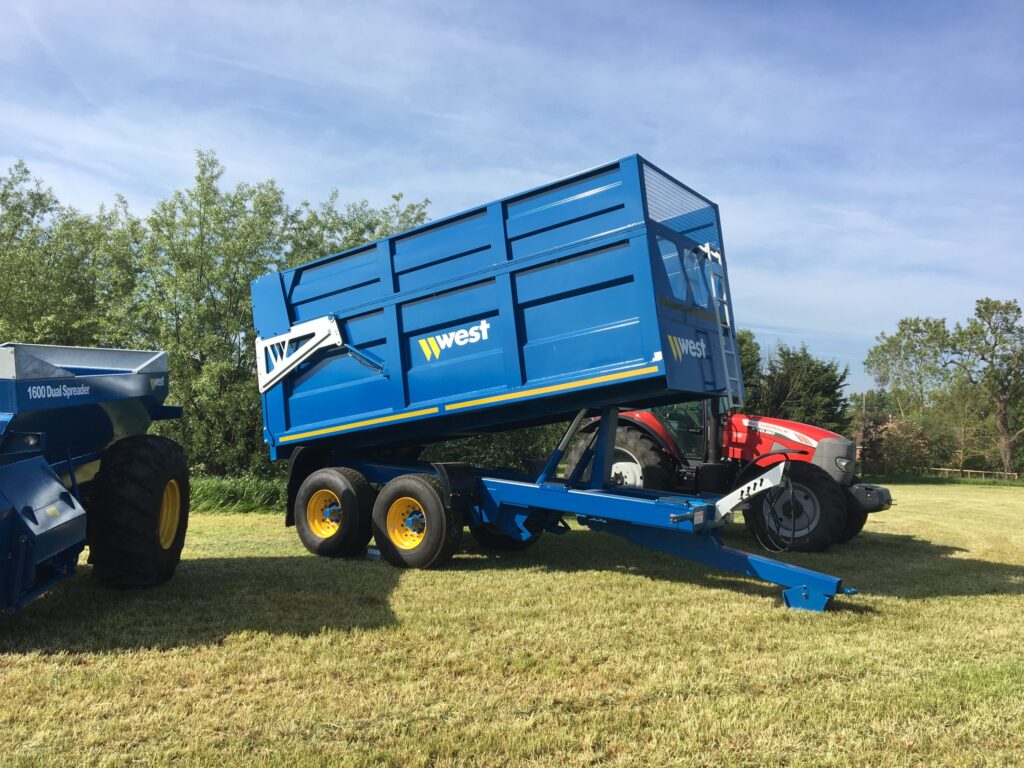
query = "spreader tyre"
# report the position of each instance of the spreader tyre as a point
(332, 512)
(138, 511)
(806, 516)
(411, 525)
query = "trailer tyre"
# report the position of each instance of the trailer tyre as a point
(489, 538)
(138, 511)
(332, 512)
(808, 516)
(412, 526)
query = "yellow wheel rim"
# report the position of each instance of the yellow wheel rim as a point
(407, 523)
(323, 511)
(170, 513)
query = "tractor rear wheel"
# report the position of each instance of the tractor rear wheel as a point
(639, 462)
(138, 511)
(332, 512)
(806, 516)
(412, 526)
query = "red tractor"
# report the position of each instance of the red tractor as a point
(694, 447)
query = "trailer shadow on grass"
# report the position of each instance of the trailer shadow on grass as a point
(207, 600)
(874, 563)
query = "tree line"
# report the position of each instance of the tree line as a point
(175, 279)
(178, 279)
(949, 396)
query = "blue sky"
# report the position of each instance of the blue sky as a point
(867, 157)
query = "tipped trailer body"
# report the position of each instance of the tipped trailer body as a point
(604, 290)
(72, 434)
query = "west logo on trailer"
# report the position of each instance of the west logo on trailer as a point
(432, 345)
(682, 347)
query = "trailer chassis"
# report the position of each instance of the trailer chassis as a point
(684, 525)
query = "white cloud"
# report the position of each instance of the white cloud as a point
(866, 170)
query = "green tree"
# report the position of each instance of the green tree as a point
(750, 363)
(962, 408)
(869, 412)
(910, 363)
(797, 385)
(198, 252)
(989, 350)
(905, 447)
(56, 263)
(203, 247)
(513, 449)
(320, 230)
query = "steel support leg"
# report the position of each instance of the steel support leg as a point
(604, 449)
(805, 589)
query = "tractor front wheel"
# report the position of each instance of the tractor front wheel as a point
(808, 515)
(855, 519)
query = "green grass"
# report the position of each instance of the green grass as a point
(583, 651)
(237, 494)
(936, 480)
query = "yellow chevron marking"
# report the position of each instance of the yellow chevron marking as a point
(358, 424)
(674, 342)
(433, 346)
(554, 388)
(425, 347)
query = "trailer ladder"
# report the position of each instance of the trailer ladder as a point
(727, 343)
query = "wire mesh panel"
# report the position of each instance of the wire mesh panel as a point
(676, 207)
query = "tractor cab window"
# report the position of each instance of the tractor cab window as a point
(686, 271)
(673, 267)
(696, 276)
(686, 423)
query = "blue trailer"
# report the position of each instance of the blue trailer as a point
(604, 290)
(76, 467)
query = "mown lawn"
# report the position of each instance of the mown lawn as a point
(583, 651)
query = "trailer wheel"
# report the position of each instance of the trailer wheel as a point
(807, 516)
(855, 519)
(332, 512)
(138, 511)
(489, 538)
(412, 526)
(638, 462)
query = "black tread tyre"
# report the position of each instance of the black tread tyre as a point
(855, 519)
(808, 516)
(138, 511)
(632, 446)
(488, 538)
(411, 525)
(332, 512)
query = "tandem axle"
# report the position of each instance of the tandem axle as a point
(511, 510)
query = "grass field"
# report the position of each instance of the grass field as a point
(583, 651)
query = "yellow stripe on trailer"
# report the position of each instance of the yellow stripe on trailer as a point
(358, 424)
(554, 388)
